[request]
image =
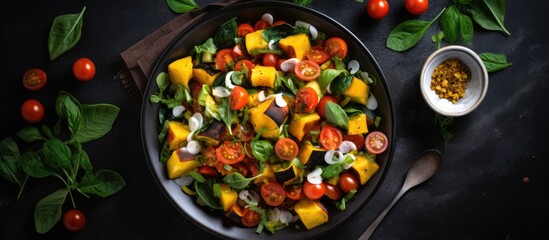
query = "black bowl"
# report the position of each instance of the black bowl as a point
(216, 223)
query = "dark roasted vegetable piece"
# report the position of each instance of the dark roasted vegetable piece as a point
(212, 135)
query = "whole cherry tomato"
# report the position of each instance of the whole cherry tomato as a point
(32, 111)
(83, 69)
(377, 9)
(416, 7)
(74, 220)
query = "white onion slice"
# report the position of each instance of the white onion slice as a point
(261, 96)
(249, 196)
(184, 180)
(194, 124)
(349, 165)
(288, 64)
(314, 32)
(353, 66)
(178, 110)
(372, 102)
(190, 136)
(274, 215)
(329, 156)
(193, 147)
(302, 24)
(347, 146)
(272, 44)
(280, 100)
(314, 176)
(267, 17)
(285, 217)
(221, 92)
(228, 81)
(366, 77)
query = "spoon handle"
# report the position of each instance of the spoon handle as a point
(368, 233)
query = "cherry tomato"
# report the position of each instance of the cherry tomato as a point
(244, 63)
(250, 218)
(376, 142)
(74, 220)
(318, 55)
(273, 193)
(238, 98)
(314, 191)
(416, 7)
(377, 9)
(286, 149)
(261, 25)
(208, 171)
(306, 100)
(294, 192)
(270, 60)
(224, 58)
(332, 192)
(357, 139)
(230, 152)
(83, 69)
(32, 111)
(279, 22)
(321, 107)
(347, 182)
(307, 70)
(336, 47)
(330, 137)
(243, 29)
(34, 79)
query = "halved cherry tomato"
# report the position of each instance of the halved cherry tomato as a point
(244, 63)
(74, 220)
(321, 107)
(357, 139)
(230, 152)
(243, 29)
(376, 142)
(224, 58)
(294, 192)
(332, 192)
(270, 59)
(238, 98)
(307, 70)
(416, 7)
(83, 69)
(273, 193)
(336, 47)
(317, 54)
(32, 111)
(286, 149)
(208, 171)
(261, 25)
(377, 9)
(330, 137)
(314, 191)
(250, 218)
(347, 182)
(306, 100)
(34, 79)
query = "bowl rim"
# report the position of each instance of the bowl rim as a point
(477, 61)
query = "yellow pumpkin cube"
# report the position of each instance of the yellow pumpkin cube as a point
(365, 168)
(358, 91)
(358, 124)
(295, 45)
(177, 134)
(263, 76)
(181, 71)
(181, 162)
(301, 124)
(228, 197)
(254, 42)
(312, 213)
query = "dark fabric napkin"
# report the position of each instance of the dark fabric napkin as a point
(142, 56)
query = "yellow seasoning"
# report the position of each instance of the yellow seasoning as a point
(449, 80)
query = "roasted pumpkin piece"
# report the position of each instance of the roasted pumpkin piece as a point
(358, 91)
(181, 162)
(358, 124)
(205, 74)
(311, 213)
(181, 71)
(177, 134)
(295, 45)
(235, 213)
(253, 99)
(268, 174)
(310, 155)
(254, 42)
(268, 117)
(302, 123)
(364, 168)
(263, 76)
(212, 135)
(228, 196)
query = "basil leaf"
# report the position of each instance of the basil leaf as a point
(237, 181)
(490, 14)
(494, 62)
(205, 192)
(48, 210)
(336, 116)
(182, 6)
(226, 34)
(32, 165)
(9, 161)
(287, 80)
(83, 159)
(226, 113)
(46, 131)
(65, 32)
(327, 76)
(466, 27)
(341, 204)
(277, 32)
(57, 155)
(105, 183)
(96, 122)
(449, 23)
(408, 33)
(30, 134)
(68, 107)
(197, 176)
(339, 85)
(163, 81)
(262, 149)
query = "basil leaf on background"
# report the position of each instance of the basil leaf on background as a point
(449, 23)
(494, 62)
(407, 34)
(490, 14)
(9, 162)
(97, 120)
(48, 210)
(57, 155)
(182, 6)
(205, 192)
(466, 27)
(105, 183)
(67, 107)
(30, 134)
(65, 32)
(32, 165)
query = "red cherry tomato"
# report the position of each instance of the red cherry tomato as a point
(286, 149)
(377, 9)
(416, 7)
(270, 59)
(273, 193)
(279, 22)
(83, 69)
(261, 25)
(224, 58)
(34, 79)
(32, 111)
(238, 98)
(74, 220)
(314, 191)
(307, 70)
(208, 171)
(376, 142)
(321, 107)
(294, 192)
(243, 29)
(357, 139)
(332, 192)
(318, 55)
(347, 182)
(306, 100)
(336, 47)
(244, 63)
(230, 152)
(330, 137)
(250, 218)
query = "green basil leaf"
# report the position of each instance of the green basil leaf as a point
(226, 34)
(277, 32)
(83, 159)
(30, 134)
(96, 122)
(197, 176)
(205, 192)
(339, 85)
(336, 116)
(406, 35)
(449, 23)
(288, 83)
(327, 76)
(490, 14)
(48, 210)
(32, 165)
(182, 6)
(46, 131)
(65, 32)
(262, 149)
(105, 183)
(494, 62)
(57, 155)
(466, 27)
(9, 161)
(163, 81)
(237, 181)
(67, 107)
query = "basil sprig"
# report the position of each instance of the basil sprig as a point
(65, 32)
(182, 6)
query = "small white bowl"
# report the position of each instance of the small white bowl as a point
(476, 88)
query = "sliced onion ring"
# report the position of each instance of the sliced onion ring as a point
(184, 180)
(228, 81)
(372, 102)
(280, 100)
(314, 32)
(193, 147)
(221, 92)
(347, 146)
(314, 176)
(349, 165)
(267, 17)
(178, 110)
(289, 64)
(286, 217)
(353, 66)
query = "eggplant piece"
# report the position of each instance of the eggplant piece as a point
(310, 155)
(287, 175)
(276, 113)
(213, 134)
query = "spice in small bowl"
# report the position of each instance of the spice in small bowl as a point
(449, 80)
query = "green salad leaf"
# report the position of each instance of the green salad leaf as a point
(65, 32)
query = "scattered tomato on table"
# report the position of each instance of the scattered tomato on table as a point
(377, 9)
(83, 69)
(32, 111)
(74, 220)
(34, 79)
(416, 7)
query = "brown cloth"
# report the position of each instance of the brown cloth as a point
(142, 56)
